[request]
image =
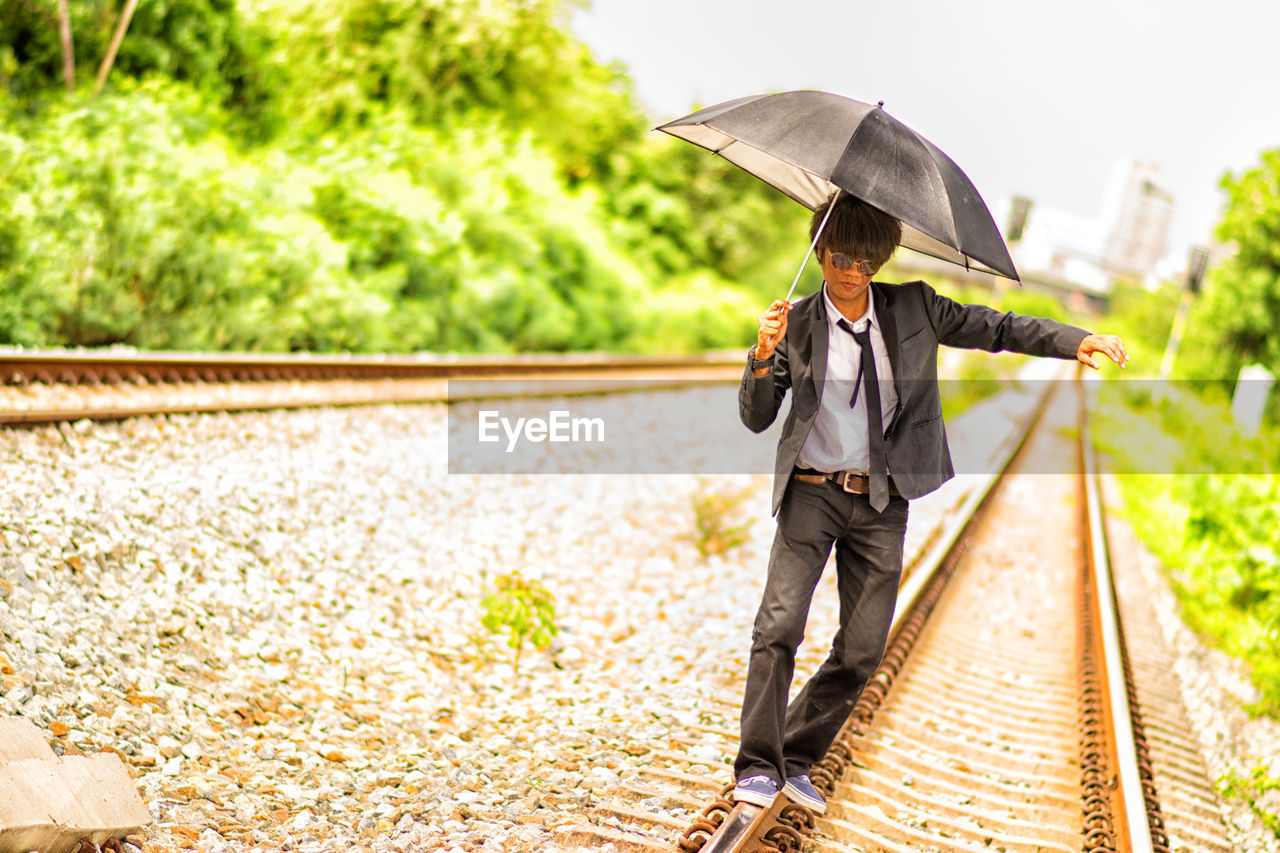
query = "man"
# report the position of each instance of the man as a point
(840, 481)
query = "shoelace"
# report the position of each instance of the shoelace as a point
(751, 779)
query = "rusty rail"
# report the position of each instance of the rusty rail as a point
(20, 367)
(54, 387)
(1121, 805)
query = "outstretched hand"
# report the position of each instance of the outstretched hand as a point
(1109, 345)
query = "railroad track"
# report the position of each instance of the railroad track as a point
(1005, 715)
(51, 387)
(1000, 719)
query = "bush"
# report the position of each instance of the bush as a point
(133, 220)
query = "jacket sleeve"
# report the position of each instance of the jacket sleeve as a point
(760, 398)
(981, 327)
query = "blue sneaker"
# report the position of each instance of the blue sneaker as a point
(757, 790)
(801, 791)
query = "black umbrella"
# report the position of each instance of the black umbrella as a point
(811, 145)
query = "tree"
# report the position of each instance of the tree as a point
(201, 42)
(343, 66)
(1242, 311)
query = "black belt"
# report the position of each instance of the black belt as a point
(854, 482)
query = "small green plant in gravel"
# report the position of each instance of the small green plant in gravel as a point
(521, 608)
(717, 521)
(1260, 790)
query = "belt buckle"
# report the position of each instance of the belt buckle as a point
(845, 478)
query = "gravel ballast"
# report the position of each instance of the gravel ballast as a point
(275, 619)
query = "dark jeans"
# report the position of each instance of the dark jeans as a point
(778, 740)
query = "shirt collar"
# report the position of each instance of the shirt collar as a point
(834, 316)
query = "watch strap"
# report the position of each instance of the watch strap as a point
(757, 363)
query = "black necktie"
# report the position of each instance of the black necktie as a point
(877, 469)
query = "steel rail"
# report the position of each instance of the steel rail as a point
(20, 367)
(1132, 831)
(38, 388)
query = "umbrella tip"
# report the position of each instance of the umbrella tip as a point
(880, 104)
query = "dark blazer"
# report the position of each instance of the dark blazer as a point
(914, 320)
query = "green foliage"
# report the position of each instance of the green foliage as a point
(454, 175)
(1142, 318)
(718, 527)
(131, 220)
(200, 42)
(523, 610)
(696, 312)
(1257, 790)
(1215, 530)
(1021, 301)
(681, 210)
(440, 60)
(1243, 293)
(504, 260)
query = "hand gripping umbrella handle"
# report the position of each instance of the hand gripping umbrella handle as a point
(816, 236)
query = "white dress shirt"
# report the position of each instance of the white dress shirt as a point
(838, 439)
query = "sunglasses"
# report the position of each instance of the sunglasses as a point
(844, 262)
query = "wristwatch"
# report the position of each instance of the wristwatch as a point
(757, 363)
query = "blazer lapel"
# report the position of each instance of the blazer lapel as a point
(818, 357)
(889, 331)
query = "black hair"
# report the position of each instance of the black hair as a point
(856, 229)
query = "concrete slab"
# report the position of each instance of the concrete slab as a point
(51, 804)
(20, 739)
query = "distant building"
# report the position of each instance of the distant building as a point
(1137, 219)
(1062, 246)
(1128, 240)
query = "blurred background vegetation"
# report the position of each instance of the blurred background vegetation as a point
(463, 175)
(377, 175)
(404, 175)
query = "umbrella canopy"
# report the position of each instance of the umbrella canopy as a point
(808, 144)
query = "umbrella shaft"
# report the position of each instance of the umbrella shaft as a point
(817, 235)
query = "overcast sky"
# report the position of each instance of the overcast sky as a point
(1030, 98)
